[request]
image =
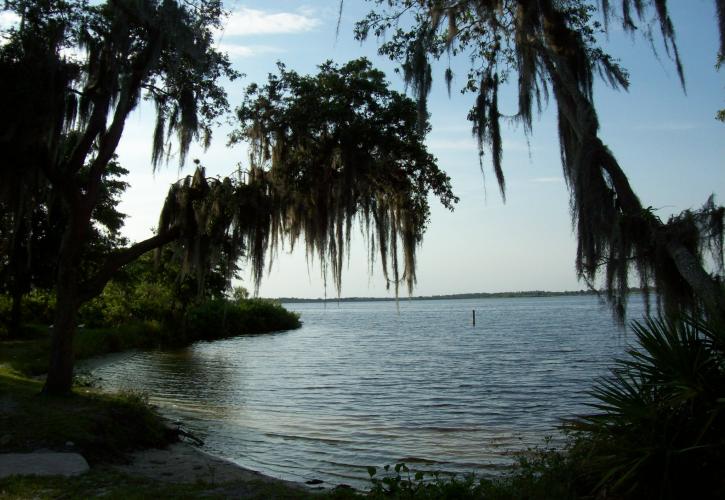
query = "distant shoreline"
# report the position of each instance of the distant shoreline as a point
(479, 295)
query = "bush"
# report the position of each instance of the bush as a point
(541, 473)
(660, 430)
(119, 305)
(39, 306)
(218, 318)
(93, 341)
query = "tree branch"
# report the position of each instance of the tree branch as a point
(126, 103)
(94, 127)
(117, 260)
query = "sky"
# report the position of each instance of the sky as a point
(666, 140)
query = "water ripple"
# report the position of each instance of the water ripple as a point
(360, 384)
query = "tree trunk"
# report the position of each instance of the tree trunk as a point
(60, 372)
(18, 279)
(706, 288)
(579, 112)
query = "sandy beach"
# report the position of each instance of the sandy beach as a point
(184, 463)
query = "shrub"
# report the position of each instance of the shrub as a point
(660, 430)
(542, 473)
(218, 318)
(39, 306)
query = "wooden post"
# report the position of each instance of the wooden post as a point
(474, 317)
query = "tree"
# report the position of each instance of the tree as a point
(324, 149)
(334, 145)
(549, 48)
(71, 73)
(30, 236)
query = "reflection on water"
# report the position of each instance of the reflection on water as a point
(360, 384)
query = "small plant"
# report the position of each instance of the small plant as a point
(400, 482)
(85, 379)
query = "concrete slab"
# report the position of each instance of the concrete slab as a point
(45, 463)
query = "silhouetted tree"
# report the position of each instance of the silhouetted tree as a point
(334, 145)
(72, 72)
(30, 236)
(324, 149)
(549, 48)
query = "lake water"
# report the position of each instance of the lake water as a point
(362, 384)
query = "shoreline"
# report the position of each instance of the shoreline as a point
(456, 296)
(184, 463)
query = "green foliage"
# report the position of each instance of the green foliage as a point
(219, 318)
(39, 306)
(103, 483)
(542, 473)
(660, 430)
(331, 147)
(102, 427)
(206, 319)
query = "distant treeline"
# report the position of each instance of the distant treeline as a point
(479, 295)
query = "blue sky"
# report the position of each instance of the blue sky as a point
(668, 143)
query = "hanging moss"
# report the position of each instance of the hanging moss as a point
(325, 151)
(549, 47)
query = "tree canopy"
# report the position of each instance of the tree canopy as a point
(325, 148)
(549, 49)
(71, 73)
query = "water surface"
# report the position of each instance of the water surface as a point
(361, 384)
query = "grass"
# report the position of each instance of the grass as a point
(30, 356)
(106, 483)
(96, 483)
(101, 427)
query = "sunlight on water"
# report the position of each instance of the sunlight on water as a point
(360, 384)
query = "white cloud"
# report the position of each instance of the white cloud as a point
(8, 19)
(246, 22)
(246, 51)
(73, 53)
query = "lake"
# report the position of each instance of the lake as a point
(362, 383)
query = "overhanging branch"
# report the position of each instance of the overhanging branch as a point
(117, 260)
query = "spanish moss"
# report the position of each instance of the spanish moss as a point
(550, 48)
(326, 152)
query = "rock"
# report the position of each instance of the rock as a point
(314, 481)
(42, 464)
(69, 444)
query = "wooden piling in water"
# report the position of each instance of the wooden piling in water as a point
(474, 317)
